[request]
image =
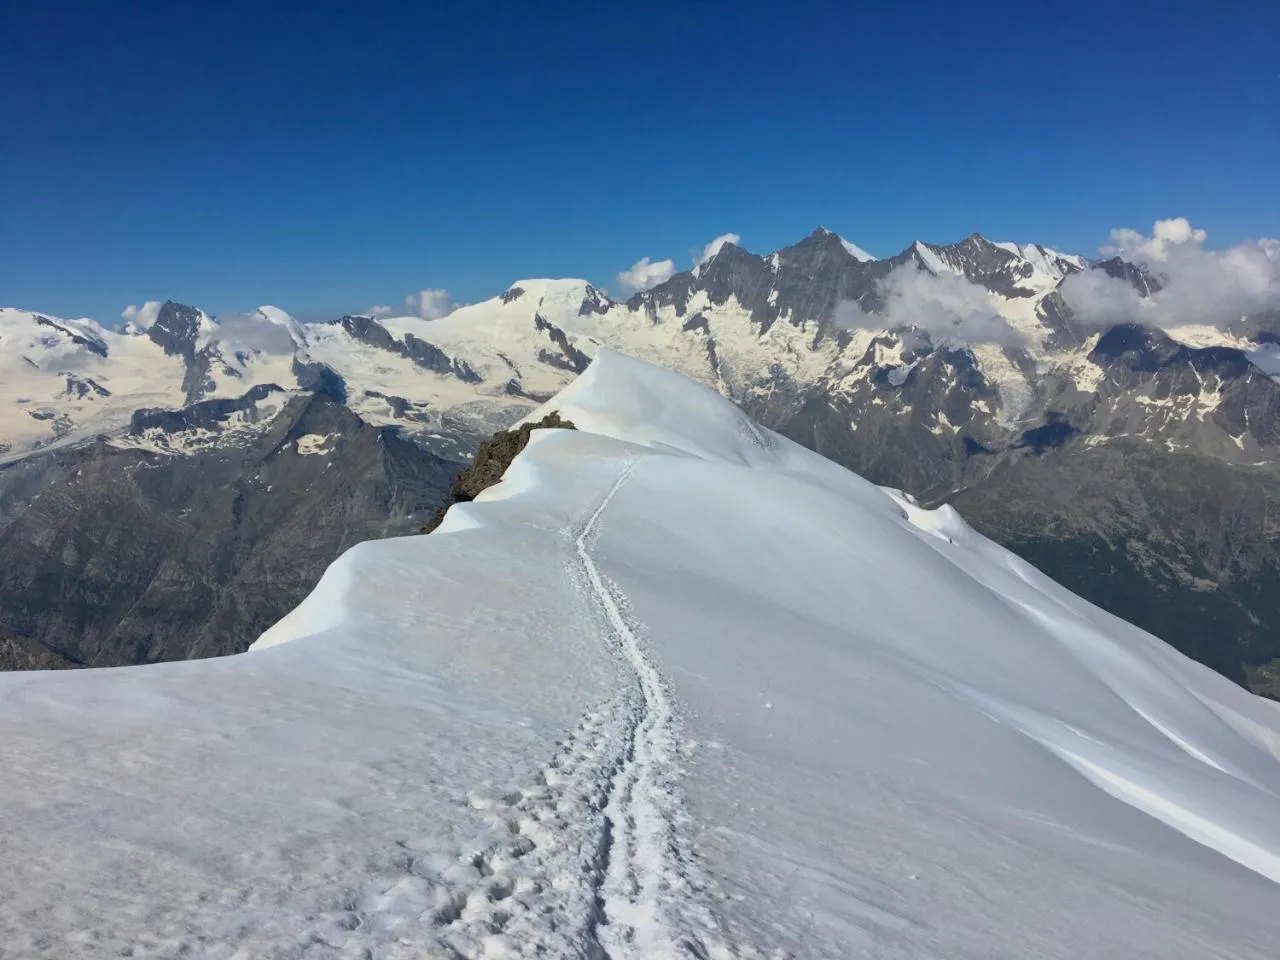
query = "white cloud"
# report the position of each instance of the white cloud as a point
(1198, 286)
(947, 307)
(429, 304)
(378, 311)
(255, 332)
(1100, 300)
(646, 273)
(712, 248)
(144, 316)
(1132, 245)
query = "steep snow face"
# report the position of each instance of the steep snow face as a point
(855, 251)
(676, 686)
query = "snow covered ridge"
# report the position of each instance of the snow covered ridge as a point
(675, 687)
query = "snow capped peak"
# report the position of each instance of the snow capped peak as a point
(830, 236)
(1045, 260)
(554, 299)
(282, 319)
(553, 286)
(275, 315)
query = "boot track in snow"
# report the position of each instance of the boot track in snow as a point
(646, 882)
(589, 861)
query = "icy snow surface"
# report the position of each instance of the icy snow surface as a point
(675, 687)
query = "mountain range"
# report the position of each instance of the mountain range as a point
(1136, 465)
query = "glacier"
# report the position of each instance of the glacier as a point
(675, 687)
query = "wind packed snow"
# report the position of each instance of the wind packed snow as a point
(675, 688)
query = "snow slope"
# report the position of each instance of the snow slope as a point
(856, 251)
(676, 687)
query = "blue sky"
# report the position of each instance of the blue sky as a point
(347, 154)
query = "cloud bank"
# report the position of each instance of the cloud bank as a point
(949, 308)
(1198, 286)
(645, 274)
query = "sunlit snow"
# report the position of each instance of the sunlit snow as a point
(676, 687)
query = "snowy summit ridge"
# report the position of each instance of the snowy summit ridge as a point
(675, 686)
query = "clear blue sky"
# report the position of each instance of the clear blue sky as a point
(332, 157)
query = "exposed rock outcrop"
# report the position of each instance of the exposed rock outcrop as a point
(491, 462)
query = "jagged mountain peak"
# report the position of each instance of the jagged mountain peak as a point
(1137, 275)
(178, 329)
(829, 237)
(521, 344)
(1006, 269)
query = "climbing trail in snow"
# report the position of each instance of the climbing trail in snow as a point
(649, 882)
(589, 860)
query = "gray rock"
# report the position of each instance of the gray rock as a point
(117, 556)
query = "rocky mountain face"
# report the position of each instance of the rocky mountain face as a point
(1138, 468)
(197, 529)
(1180, 542)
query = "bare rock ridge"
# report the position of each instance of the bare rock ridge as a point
(491, 462)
